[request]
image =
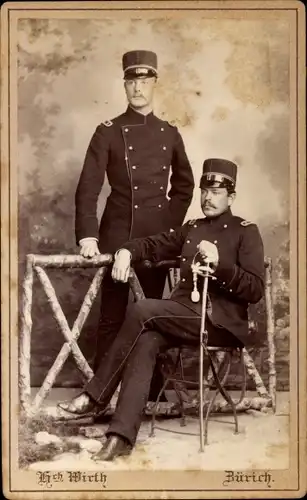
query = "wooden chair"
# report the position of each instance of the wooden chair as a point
(221, 360)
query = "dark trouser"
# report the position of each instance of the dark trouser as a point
(150, 327)
(114, 301)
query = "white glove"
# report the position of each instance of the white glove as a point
(121, 266)
(89, 247)
(209, 252)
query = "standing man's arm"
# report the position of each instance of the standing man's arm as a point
(182, 182)
(88, 190)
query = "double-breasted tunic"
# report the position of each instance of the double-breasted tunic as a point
(138, 153)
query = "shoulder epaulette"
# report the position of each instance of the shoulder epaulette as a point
(107, 123)
(246, 223)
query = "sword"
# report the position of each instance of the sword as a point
(205, 271)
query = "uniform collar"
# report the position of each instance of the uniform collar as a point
(138, 118)
(220, 220)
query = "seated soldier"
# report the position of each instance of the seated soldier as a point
(234, 249)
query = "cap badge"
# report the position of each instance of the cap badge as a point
(141, 71)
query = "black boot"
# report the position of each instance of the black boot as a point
(115, 446)
(80, 405)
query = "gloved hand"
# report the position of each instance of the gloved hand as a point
(89, 247)
(209, 252)
(121, 266)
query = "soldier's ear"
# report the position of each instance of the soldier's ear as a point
(155, 81)
(231, 198)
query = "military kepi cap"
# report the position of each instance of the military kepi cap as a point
(140, 63)
(218, 172)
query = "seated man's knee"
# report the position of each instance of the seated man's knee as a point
(144, 309)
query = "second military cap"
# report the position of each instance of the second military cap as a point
(140, 63)
(218, 172)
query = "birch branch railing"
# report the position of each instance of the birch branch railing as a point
(39, 263)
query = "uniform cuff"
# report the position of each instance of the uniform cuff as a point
(89, 238)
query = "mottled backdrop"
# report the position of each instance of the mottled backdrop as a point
(224, 83)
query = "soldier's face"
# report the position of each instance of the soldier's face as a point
(140, 91)
(215, 201)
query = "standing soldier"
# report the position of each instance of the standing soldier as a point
(137, 151)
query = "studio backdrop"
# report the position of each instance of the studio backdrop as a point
(224, 83)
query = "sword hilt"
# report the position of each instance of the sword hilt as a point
(199, 270)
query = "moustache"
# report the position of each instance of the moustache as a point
(209, 205)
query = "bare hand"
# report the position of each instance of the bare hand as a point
(121, 266)
(209, 252)
(89, 248)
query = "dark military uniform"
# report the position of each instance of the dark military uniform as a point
(153, 325)
(137, 153)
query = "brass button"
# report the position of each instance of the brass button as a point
(161, 188)
(136, 188)
(225, 225)
(130, 147)
(188, 241)
(164, 147)
(230, 289)
(133, 167)
(159, 206)
(126, 130)
(195, 225)
(183, 279)
(183, 259)
(172, 230)
(164, 167)
(215, 242)
(162, 129)
(136, 206)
